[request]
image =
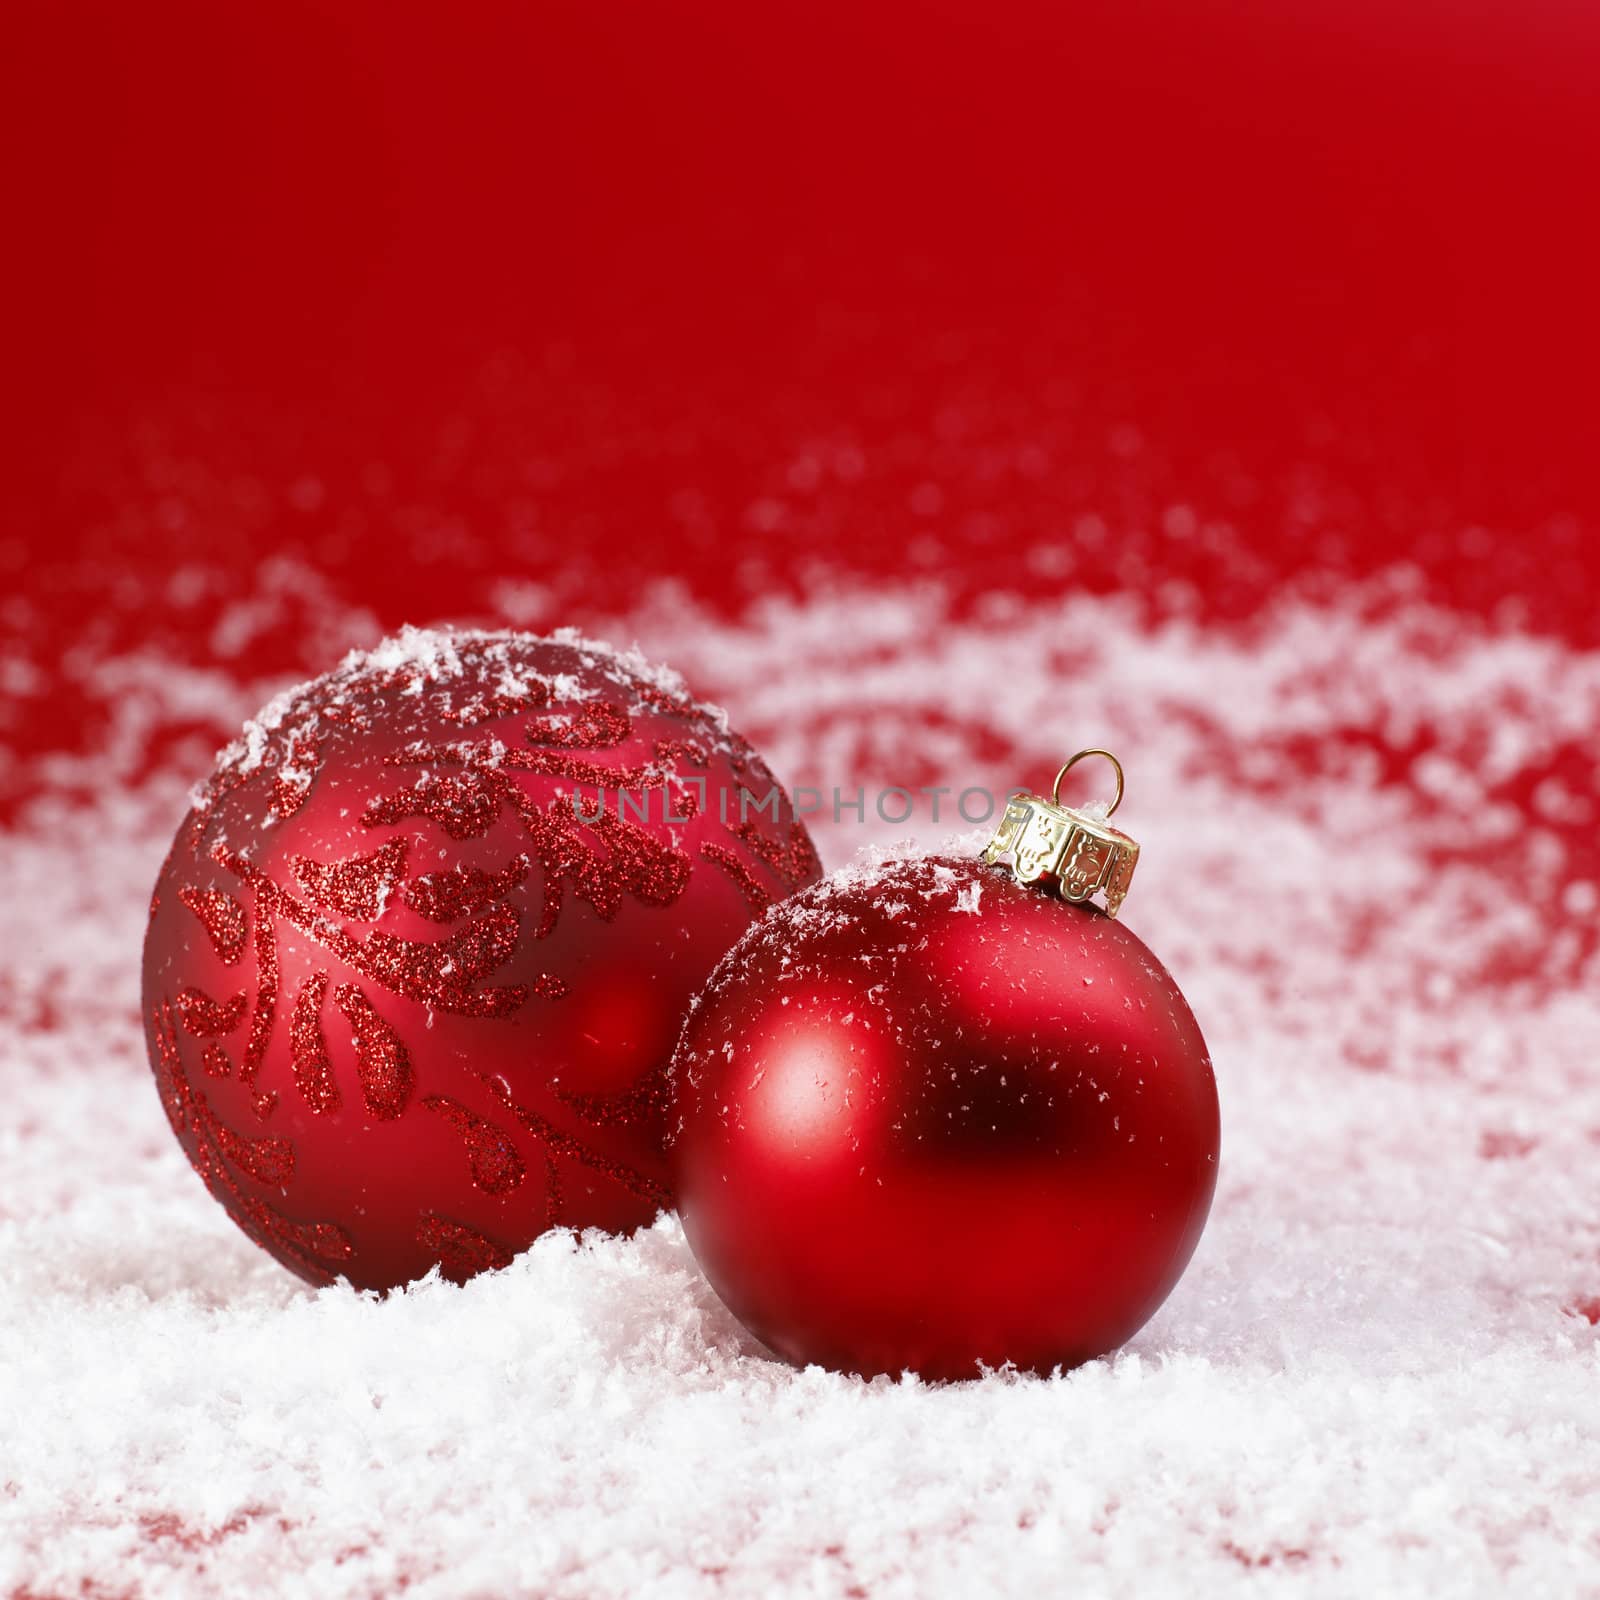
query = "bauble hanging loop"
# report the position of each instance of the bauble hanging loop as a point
(1074, 851)
(1083, 755)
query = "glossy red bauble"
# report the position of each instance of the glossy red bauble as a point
(419, 953)
(929, 1119)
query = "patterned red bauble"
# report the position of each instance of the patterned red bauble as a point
(930, 1118)
(420, 951)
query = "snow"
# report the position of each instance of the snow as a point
(429, 654)
(250, 749)
(1381, 1373)
(286, 729)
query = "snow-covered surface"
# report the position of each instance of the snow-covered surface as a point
(1380, 1375)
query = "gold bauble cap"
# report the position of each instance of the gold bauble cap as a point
(1077, 853)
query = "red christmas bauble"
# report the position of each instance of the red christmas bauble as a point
(929, 1118)
(420, 951)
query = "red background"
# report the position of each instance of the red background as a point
(427, 298)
